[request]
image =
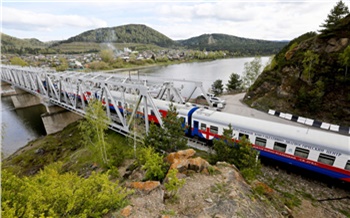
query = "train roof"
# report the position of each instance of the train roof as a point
(304, 135)
(182, 109)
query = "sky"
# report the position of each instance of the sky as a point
(268, 20)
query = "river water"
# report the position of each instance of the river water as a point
(23, 125)
(19, 126)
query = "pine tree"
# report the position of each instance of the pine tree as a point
(217, 87)
(174, 130)
(339, 11)
(241, 154)
(169, 138)
(234, 82)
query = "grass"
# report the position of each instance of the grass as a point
(291, 200)
(221, 189)
(168, 212)
(67, 147)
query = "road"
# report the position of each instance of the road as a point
(234, 105)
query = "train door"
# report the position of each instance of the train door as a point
(195, 128)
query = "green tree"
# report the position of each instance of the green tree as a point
(251, 72)
(339, 11)
(240, 153)
(223, 147)
(99, 65)
(234, 82)
(217, 87)
(169, 138)
(344, 58)
(93, 130)
(18, 61)
(51, 193)
(107, 55)
(309, 60)
(173, 184)
(63, 64)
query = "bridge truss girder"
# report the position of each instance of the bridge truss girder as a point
(73, 91)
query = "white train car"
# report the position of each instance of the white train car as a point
(317, 150)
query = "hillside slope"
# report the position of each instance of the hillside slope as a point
(132, 33)
(10, 44)
(234, 44)
(322, 93)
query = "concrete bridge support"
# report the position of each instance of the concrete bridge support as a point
(7, 89)
(58, 119)
(25, 100)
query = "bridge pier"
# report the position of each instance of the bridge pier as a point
(56, 119)
(7, 89)
(23, 99)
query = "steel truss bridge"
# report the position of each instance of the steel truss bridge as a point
(74, 90)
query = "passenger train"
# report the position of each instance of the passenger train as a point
(317, 150)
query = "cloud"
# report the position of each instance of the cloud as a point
(32, 21)
(214, 11)
(269, 20)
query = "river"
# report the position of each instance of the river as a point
(23, 125)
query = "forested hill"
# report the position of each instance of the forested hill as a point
(234, 44)
(132, 33)
(309, 77)
(140, 36)
(10, 44)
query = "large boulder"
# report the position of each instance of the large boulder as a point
(183, 162)
(145, 187)
(183, 154)
(197, 164)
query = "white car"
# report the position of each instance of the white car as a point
(217, 100)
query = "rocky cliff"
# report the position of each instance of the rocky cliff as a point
(308, 78)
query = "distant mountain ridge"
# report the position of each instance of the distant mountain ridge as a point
(233, 44)
(143, 35)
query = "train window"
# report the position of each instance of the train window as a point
(119, 104)
(241, 135)
(326, 159)
(214, 129)
(300, 152)
(152, 113)
(203, 126)
(279, 147)
(347, 166)
(260, 141)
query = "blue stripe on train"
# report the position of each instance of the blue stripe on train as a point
(189, 120)
(304, 165)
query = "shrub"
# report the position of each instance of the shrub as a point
(152, 162)
(99, 65)
(53, 194)
(174, 184)
(18, 61)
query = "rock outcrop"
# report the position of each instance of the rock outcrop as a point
(308, 78)
(183, 161)
(224, 194)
